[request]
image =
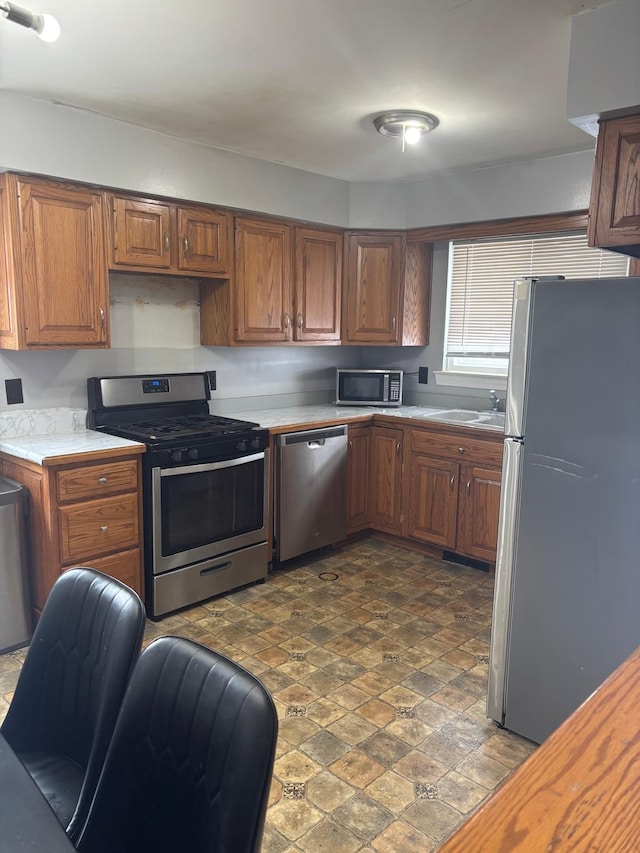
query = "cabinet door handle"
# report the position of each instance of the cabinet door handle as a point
(300, 321)
(350, 445)
(461, 450)
(104, 528)
(468, 487)
(286, 321)
(102, 480)
(185, 245)
(102, 318)
(166, 242)
(452, 483)
(393, 323)
(397, 448)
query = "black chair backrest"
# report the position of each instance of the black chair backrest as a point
(190, 764)
(76, 671)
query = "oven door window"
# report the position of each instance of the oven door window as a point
(200, 507)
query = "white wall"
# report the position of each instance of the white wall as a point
(604, 63)
(155, 328)
(527, 188)
(68, 143)
(154, 321)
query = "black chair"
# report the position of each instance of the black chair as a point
(71, 686)
(189, 767)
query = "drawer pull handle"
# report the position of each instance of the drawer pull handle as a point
(461, 450)
(102, 480)
(104, 528)
(212, 569)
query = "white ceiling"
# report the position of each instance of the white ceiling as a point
(298, 81)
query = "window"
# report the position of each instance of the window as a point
(480, 291)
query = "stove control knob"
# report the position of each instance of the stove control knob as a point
(192, 453)
(242, 446)
(176, 455)
(255, 443)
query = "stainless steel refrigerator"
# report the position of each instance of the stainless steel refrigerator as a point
(567, 594)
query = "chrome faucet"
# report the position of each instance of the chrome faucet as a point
(495, 400)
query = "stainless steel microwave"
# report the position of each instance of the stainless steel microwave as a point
(368, 387)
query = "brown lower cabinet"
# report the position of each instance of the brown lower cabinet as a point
(453, 491)
(358, 478)
(83, 511)
(438, 488)
(385, 492)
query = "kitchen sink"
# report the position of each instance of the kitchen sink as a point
(465, 416)
(492, 419)
(457, 415)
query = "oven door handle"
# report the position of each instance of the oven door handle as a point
(211, 466)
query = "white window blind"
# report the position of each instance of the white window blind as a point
(480, 290)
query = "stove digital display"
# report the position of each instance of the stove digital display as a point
(155, 386)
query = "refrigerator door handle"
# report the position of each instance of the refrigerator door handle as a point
(517, 378)
(507, 532)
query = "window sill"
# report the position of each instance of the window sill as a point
(485, 381)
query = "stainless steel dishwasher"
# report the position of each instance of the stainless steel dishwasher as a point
(311, 486)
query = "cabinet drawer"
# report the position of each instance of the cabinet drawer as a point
(98, 527)
(125, 567)
(94, 481)
(451, 446)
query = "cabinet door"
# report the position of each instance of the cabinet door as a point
(318, 285)
(203, 240)
(263, 280)
(64, 268)
(373, 288)
(478, 511)
(433, 500)
(614, 216)
(9, 326)
(358, 476)
(141, 233)
(386, 483)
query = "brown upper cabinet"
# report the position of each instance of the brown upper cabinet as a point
(317, 285)
(159, 236)
(614, 215)
(263, 281)
(53, 272)
(287, 287)
(387, 290)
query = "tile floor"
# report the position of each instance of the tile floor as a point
(376, 657)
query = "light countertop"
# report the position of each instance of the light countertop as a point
(297, 416)
(43, 448)
(40, 448)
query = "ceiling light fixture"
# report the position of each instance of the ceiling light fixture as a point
(407, 125)
(45, 26)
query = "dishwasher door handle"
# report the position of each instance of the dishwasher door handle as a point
(317, 442)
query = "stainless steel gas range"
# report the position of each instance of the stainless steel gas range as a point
(205, 485)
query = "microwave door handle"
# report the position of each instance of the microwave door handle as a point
(385, 388)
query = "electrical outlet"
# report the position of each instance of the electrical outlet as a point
(13, 388)
(423, 373)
